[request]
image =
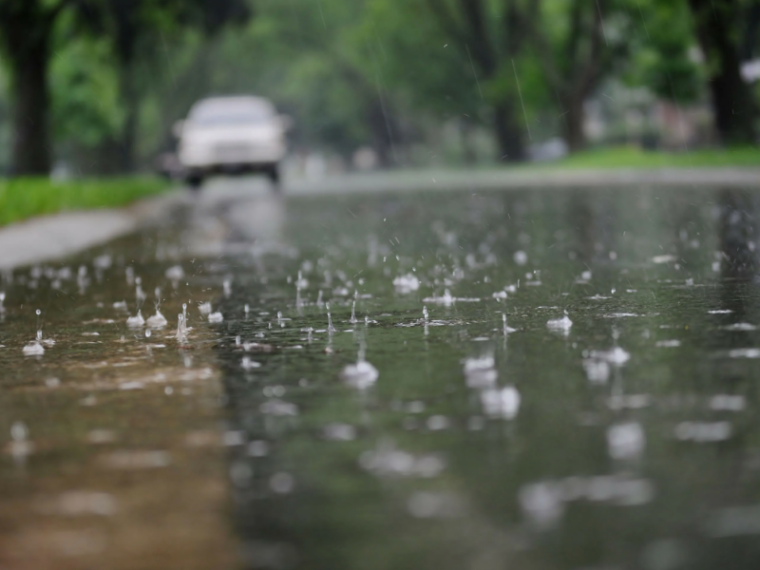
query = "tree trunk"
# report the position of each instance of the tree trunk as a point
(31, 154)
(574, 119)
(469, 155)
(733, 105)
(508, 134)
(732, 99)
(130, 104)
(383, 133)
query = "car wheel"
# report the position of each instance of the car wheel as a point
(194, 182)
(273, 173)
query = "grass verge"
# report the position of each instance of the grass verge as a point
(22, 198)
(631, 157)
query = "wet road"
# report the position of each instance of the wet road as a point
(526, 379)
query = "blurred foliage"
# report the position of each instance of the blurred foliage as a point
(409, 78)
(723, 34)
(86, 106)
(132, 31)
(666, 58)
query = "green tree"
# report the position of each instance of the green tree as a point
(718, 27)
(663, 56)
(580, 43)
(318, 62)
(86, 111)
(134, 28)
(418, 61)
(138, 28)
(26, 35)
(492, 35)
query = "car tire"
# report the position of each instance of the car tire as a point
(273, 173)
(194, 182)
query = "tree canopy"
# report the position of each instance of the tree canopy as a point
(100, 82)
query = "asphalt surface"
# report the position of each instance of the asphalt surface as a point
(376, 375)
(52, 237)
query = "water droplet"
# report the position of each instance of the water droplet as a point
(562, 325)
(330, 327)
(506, 329)
(175, 273)
(361, 375)
(353, 320)
(282, 483)
(503, 403)
(137, 321)
(520, 257)
(406, 283)
(19, 431)
(625, 441)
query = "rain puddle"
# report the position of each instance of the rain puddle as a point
(112, 455)
(537, 379)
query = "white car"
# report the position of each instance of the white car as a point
(231, 135)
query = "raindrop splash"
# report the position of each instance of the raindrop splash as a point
(506, 329)
(136, 321)
(181, 335)
(330, 327)
(353, 319)
(361, 375)
(157, 321)
(35, 347)
(501, 403)
(562, 325)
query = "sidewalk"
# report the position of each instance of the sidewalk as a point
(528, 177)
(52, 237)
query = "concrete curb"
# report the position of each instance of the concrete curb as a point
(506, 179)
(58, 235)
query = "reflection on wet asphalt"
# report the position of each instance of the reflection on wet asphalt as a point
(111, 455)
(523, 379)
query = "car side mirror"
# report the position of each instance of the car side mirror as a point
(286, 122)
(177, 128)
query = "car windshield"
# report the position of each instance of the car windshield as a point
(219, 115)
(230, 119)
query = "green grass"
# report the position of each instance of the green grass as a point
(22, 198)
(631, 157)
